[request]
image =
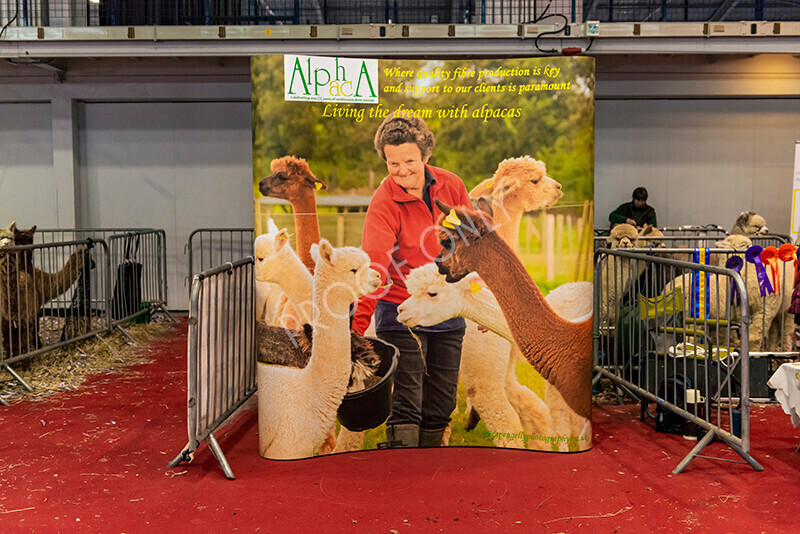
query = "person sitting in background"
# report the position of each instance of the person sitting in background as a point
(635, 212)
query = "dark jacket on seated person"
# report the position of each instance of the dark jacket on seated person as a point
(642, 216)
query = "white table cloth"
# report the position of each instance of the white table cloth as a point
(786, 381)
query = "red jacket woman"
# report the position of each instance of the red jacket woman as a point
(399, 235)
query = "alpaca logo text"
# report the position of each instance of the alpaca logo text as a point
(330, 79)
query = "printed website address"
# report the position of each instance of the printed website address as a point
(537, 437)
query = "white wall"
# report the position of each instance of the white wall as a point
(28, 189)
(702, 161)
(175, 166)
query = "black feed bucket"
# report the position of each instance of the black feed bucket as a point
(369, 408)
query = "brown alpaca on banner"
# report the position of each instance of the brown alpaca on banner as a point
(518, 185)
(559, 350)
(292, 180)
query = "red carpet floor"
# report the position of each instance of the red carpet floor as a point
(96, 460)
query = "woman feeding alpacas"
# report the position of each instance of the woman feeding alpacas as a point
(399, 235)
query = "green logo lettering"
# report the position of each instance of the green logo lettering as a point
(361, 74)
(298, 69)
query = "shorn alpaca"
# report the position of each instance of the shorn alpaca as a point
(297, 407)
(648, 237)
(24, 289)
(292, 180)
(433, 300)
(559, 350)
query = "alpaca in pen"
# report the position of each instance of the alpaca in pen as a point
(616, 273)
(24, 290)
(750, 224)
(771, 326)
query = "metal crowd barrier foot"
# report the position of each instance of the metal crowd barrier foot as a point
(213, 444)
(187, 456)
(17, 377)
(126, 334)
(708, 438)
(167, 313)
(711, 433)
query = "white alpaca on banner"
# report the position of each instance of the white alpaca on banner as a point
(297, 407)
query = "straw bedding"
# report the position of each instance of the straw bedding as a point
(65, 369)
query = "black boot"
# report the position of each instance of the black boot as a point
(401, 436)
(431, 438)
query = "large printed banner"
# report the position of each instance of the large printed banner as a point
(423, 253)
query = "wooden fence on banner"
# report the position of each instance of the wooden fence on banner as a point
(555, 244)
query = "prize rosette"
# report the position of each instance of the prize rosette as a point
(735, 263)
(788, 252)
(753, 255)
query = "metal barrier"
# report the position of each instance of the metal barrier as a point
(53, 293)
(58, 235)
(100, 277)
(140, 282)
(699, 230)
(771, 326)
(667, 332)
(704, 230)
(209, 247)
(50, 295)
(222, 373)
(690, 241)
